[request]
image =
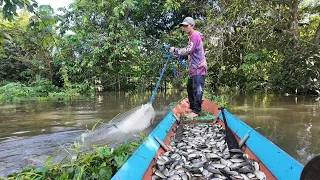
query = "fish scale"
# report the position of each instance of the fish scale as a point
(199, 155)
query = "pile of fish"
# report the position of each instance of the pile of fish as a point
(202, 153)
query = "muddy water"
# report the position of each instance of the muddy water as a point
(31, 131)
(291, 122)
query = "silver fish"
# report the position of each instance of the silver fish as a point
(219, 166)
(155, 177)
(245, 170)
(161, 161)
(235, 173)
(175, 177)
(165, 172)
(245, 177)
(205, 172)
(158, 173)
(235, 150)
(238, 160)
(256, 166)
(220, 176)
(172, 172)
(260, 175)
(212, 156)
(206, 150)
(229, 163)
(180, 171)
(202, 153)
(174, 155)
(161, 167)
(198, 165)
(213, 170)
(184, 176)
(251, 175)
(164, 158)
(193, 155)
(235, 166)
(180, 145)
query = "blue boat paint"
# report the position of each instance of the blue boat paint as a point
(138, 163)
(282, 165)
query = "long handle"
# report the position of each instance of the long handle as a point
(230, 137)
(223, 116)
(158, 83)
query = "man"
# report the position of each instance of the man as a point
(197, 65)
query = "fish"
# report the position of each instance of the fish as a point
(219, 166)
(238, 160)
(202, 153)
(159, 174)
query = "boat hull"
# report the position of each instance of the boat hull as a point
(274, 162)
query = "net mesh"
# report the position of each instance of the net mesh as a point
(123, 128)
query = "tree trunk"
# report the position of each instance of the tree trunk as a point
(165, 86)
(294, 19)
(119, 83)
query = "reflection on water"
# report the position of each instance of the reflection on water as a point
(31, 131)
(291, 122)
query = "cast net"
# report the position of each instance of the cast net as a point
(123, 128)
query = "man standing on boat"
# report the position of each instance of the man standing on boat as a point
(197, 65)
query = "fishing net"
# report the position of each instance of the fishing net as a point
(127, 126)
(121, 129)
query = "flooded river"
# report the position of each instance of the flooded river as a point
(31, 131)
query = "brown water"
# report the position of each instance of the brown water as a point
(30, 131)
(291, 122)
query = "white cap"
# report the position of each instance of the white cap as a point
(187, 21)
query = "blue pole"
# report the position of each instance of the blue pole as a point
(158, 83)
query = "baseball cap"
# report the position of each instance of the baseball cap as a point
(187, 21)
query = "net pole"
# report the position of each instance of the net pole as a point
(158, 83)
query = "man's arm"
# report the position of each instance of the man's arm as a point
(194, 41)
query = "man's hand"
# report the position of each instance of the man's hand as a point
(171, 49)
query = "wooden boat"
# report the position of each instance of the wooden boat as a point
(273, 161)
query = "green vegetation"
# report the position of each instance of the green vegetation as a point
(252, 46)
(101, 163)
(204, 116)
(258, 46)
(220, 100)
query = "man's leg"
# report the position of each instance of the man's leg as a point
(190, 93)
(198, 87)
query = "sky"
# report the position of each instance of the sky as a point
(55, 4)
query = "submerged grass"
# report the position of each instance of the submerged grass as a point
(101, 163)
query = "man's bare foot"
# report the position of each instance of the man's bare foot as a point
(192, 115)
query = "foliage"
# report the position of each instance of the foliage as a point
(16, 92)
(256, 46)
(262, 46)
(40, 90)
(219, 100)
(102, 163)
(9, 8)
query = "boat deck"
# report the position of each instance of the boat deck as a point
(205, 117)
